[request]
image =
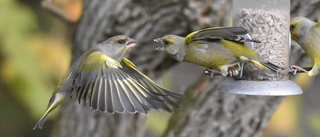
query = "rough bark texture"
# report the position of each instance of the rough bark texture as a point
(204, 112)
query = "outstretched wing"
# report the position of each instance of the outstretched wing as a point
(168, 97)
(101, 82)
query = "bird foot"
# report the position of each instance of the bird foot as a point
(297, 69)
(212, 72)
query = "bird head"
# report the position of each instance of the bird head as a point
(117, 46)
(172, 45)
(299, 27)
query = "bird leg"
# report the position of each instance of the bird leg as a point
(212, 72)
(231, 72)
(238, 71)
(234, 71)
(294, 69)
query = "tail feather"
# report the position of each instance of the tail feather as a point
(274, 68)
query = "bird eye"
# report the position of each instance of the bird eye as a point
(121, 41)
(166, 43)
(292, 26)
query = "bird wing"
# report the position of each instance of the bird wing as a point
(236, 34)
(167, 96)
(101, 82)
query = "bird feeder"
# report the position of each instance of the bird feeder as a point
(268, 22)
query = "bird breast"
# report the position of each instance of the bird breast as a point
(211, 57)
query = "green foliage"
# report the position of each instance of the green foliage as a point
(21, 72)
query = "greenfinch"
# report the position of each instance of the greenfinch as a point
(307, 34)
(219, 48)
(105, 80)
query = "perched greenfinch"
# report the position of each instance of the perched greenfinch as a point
(219, 48)
(107, 81)
(307, 34)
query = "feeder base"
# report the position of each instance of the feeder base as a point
(263, 88)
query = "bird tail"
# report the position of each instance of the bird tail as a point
(42, 120)
(274, 68)
(55, 100)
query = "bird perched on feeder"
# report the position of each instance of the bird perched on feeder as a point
(105, 80)
(307, 34)
(220, 48)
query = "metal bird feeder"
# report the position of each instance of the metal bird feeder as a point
(267, 22)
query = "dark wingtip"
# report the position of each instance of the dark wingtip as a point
(256, 41)
(274, 68)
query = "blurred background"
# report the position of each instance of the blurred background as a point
(35, 53)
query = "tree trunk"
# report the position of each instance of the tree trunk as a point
(203, 112)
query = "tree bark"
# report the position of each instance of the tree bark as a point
(203, 112)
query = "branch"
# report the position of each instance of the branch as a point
(55, 11)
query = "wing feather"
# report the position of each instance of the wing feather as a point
(145, 81)
(117, 105)
(95, 93)
(144, 96)
(162, 93)
(102, 99)
(110, 88)
(235, 34)
(107, 86)
(123, 94)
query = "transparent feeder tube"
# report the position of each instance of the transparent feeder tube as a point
(268, 22)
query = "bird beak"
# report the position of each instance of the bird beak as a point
(159, 40)
(160, 48)
(131, 43)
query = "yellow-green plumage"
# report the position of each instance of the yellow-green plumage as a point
(238, 49)
(307, 34)
(104, 80)
(95, 59)
(214, 48)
